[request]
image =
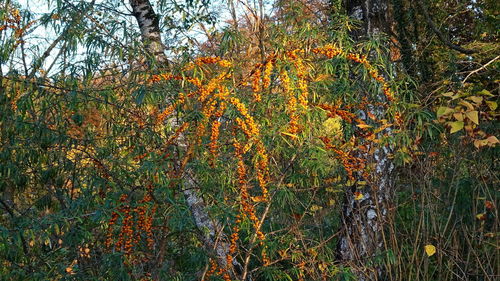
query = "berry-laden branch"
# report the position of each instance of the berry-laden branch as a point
(214, 96)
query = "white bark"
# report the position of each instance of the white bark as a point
(150, 31)
(212, 235)
(363, 220)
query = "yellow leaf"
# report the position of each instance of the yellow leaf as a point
(430, 250)
(358, 195)
(492, 105)
(322, 266)
(331, 202)
(481, 217)
(363, 126)
(459, 116)
(315, 208)
(290, 135)
(475, 99)
(480, 143)
(258, 199)
(456, 126)
(473, 116)
(492, 140)
(321, 77)
(467, 104)
(448, 94)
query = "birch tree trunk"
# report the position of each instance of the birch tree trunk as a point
(211, 233)
(362, 229)
(149, 25)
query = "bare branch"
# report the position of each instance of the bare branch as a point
(439, 34)
(479, 69)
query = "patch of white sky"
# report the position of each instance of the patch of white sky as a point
(38, 40)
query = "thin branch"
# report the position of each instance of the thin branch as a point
(439, 34)
(479, 69)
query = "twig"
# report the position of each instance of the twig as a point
(479, 69)
(439, 34)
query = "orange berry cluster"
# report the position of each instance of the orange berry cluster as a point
(333, 111)
(214, 135)
(212, 85)
(291, 105)
(13, 21)
(256, 82)
(266, 80)
(131, 231)
(145, 221)
(125, 238)
(211, 270)
(214, 98)
(208, 60)
(331, 51)
(247, 209)
(351, 163)
(84, 252)
(301, 74)
(109, 235)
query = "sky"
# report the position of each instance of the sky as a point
(42, 37)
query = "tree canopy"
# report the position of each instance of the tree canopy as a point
(249, 140)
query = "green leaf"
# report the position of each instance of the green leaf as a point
(486, 93)
(456, 126)
(443, 110)
(139, 95)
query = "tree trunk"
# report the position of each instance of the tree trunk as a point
(362, 229)
(211, 233)
(150, 30)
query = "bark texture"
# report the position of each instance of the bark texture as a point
(211, 233)
(148, 23)
(362, 230)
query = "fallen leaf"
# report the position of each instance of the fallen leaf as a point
(467, 104)
(459, 116)
(443, 110)
(476, 99)
(473, 116)
(456, 126)
(481, 216)
(492, 140)
(430, 250)
(480, 143)
(492, 105)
